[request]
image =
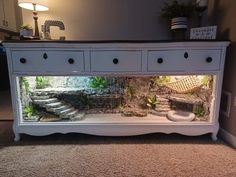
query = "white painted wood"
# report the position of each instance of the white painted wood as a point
(71, 45)
(196, 60)
(129, 61)
(55, 61)
(172, 60)
(136, 59)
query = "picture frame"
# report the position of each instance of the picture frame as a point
(208, 33)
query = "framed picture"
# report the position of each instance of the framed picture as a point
(208, 32)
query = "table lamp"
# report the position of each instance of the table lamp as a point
(200, 8)
(35, 5)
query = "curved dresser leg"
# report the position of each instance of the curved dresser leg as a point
(15, 130)
(215, 132)
(17, 137)
(214, 136)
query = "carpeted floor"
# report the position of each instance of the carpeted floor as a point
(80, 155)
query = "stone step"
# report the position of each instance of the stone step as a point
(58, 109)
(158, 113)
(70, 114)
(39, 97)
(46, 101)
(188, 100)
(53, 105)
(78, 116)
(163, 102)
(163, 106)
(39, 93)
(66, 111)
(162, 109)
(162, 99)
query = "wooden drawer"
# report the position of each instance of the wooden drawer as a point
(116, 61)
(184, 60)
(48, 61)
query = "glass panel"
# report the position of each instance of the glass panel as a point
(96, 99)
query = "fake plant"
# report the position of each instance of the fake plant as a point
(41, 82)
(29, 111)
(98, 82)
(24, 84)
(130, 91)
(150, 102)
(199, 111)
(177, 9)
(26, 27)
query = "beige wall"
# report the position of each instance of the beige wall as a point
(105, 19)
(223, 13)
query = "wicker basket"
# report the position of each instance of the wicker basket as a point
(185, 85)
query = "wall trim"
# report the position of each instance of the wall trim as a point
(228, 137)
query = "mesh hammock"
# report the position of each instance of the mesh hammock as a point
(185, 85)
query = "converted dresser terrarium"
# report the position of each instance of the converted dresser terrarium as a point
(116, 88)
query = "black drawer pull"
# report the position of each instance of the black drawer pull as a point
(209, 59)
(115, 60)
(160, 60)
(23, 60)
(71, 60)
(186, 55)
(45, 56)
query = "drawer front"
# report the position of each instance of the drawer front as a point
(204, 60)
(184, 60)
(48, 61)
(116, 61)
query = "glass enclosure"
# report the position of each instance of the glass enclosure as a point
(92, 99)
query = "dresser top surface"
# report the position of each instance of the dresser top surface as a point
(110, 41)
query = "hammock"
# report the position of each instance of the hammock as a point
(185, 85)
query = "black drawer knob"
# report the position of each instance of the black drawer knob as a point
(45, 56)
(23, 60)
(115, 60)
(209, 59)
(160, 60)
(186, 55)
(71, 60)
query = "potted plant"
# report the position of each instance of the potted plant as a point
(178, 14)
(26, 30)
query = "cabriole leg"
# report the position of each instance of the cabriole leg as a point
(17, 137)
(214, 136)
(15, 130)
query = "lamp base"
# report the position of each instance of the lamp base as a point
(36, 28)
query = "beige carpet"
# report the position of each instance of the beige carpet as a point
(91, 156)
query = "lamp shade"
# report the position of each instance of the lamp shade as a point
(40, 5)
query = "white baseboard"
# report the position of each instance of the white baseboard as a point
(228, 137)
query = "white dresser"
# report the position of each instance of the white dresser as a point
(115, 58)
